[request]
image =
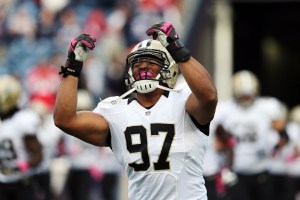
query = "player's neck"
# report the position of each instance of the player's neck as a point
(149, 99)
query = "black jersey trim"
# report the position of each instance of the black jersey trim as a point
(166, 94)
(203, 128)
(130, 99)
(108, 139)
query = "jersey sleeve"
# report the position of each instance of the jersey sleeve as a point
(105, 104)
(29, 122)
(273, 108)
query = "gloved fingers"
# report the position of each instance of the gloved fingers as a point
(91, 38)
(73, 43)
(166, 27)
(86, 39)
(161, 36)
(88, 43)
(152, 32)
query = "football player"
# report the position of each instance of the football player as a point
(20, 150)
(159, 135)
(293, 160)
(249, 118)
(218, 160)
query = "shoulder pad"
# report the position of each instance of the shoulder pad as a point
(111, 100)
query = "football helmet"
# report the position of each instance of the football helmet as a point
(84, 100)
(10, 93)
(150, 50)
(245, 87)
(294, 114)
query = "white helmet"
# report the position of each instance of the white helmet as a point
(151, 49)
(245, 84)
(295, 114)
(10, 93)
(84, 100)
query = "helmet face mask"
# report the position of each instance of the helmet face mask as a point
(153, 53)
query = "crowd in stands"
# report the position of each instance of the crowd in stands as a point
(37, 33)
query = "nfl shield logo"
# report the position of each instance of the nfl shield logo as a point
(148, 113)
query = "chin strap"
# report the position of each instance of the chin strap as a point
(168, 89)
(134, 89)
(126, 94)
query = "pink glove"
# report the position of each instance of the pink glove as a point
(23, 166)
(165, 33)
(77, 53)
(95, 173)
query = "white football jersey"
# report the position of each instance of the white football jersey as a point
(81, 155)
(12, 149)
(49, 136)
(214, 161)
(293, 161)
(252, 129)
(160, 148)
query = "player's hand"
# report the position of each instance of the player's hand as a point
(228, 177)
(77, 53)
(80, 47)
(166, 34)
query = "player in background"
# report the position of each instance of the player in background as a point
(277, 167)
(20, 150)
(293, 159)
(249, 118)
(83, 159)
(41, 83)
(49, 136)
(160, 134)
(218, 174)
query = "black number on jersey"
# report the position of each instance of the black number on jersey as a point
(248, 137)
(142, 147)
(7, 152)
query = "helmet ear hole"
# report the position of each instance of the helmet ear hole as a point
(174, 73)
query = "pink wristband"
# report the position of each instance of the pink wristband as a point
(231, 142)
(95, 173)
(23, 166)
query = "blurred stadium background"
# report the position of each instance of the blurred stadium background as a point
(225, 35)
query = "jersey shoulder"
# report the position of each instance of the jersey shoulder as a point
(109, 104)
(181, 92)
(270, 105)
(29, 120)
(272, 101)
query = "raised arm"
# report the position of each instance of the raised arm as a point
(85, 125)
(202, 102)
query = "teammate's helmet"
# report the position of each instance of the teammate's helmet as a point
(84, 100)
(153, 50)
(245, 87)
(10, 93)
(295, 114)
